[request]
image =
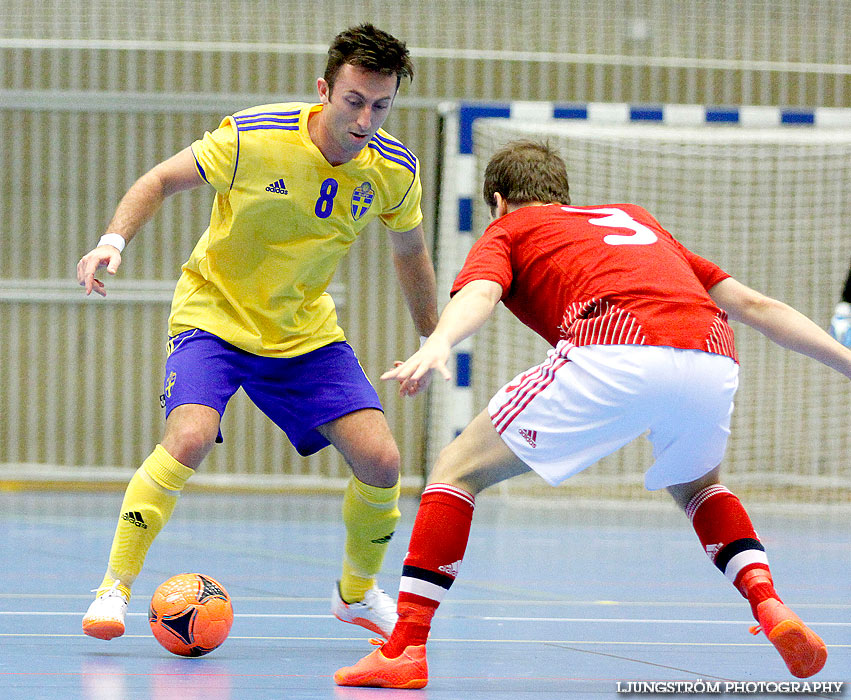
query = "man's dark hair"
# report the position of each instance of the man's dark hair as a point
(370, 48)
(526, 171)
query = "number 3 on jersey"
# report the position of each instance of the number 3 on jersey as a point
(618, 218)
(325, 203)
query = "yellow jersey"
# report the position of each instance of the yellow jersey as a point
(282, 219)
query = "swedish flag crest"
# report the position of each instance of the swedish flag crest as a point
(361, 200)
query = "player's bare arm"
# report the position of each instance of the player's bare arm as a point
(135, 209)
(463, 316)
(415, 271)
(780, 323)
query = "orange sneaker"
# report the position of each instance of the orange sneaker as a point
(802, 649)
(410, 670)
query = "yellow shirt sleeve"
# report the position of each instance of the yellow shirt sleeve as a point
(216, 155)
(408, 212)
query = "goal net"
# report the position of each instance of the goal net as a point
(771, 207)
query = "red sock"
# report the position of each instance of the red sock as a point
(728, 537)
(438, 542)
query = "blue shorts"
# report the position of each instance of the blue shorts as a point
(297, 393)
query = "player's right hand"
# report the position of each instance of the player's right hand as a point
(103, 256)
(414, 375)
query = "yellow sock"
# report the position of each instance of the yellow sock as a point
(370, 514)
(148, 504)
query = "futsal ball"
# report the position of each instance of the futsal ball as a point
(190, 614)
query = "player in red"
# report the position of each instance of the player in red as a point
(641, 342)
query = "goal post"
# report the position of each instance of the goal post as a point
(762, 192)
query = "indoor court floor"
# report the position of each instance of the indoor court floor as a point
(554, 600)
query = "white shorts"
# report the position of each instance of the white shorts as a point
(586, 402)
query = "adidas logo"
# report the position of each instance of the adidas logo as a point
(135, 517)
(385, 539)
(713, 549)
(278, 187)
(529, 436)
(451, 569)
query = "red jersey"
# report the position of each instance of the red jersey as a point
(601, 275)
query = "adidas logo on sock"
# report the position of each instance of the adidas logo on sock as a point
(529, 436)
(135, 517)
(713, 549)
(385, 539)
(278, 187)
(451, 569)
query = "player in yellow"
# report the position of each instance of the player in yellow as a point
(295, 185)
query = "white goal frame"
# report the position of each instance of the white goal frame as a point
(452, 405)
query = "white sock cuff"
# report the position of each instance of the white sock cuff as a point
(461, 494)
(702, 496)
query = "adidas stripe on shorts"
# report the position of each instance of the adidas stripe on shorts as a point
(583, 403)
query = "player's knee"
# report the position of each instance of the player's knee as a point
(190, 433)
(379, 466)
(685, 492)
(188, 443)
(386, 464)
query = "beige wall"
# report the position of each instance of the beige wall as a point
(93, 95)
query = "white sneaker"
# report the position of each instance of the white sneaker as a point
(840, 324)
(105, 616)
(376, 612)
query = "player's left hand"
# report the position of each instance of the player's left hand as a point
(414, 375)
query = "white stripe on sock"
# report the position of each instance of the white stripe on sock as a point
(743, 559)
(421, 588)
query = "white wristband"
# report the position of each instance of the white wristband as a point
(116, 240)
(423, 338)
